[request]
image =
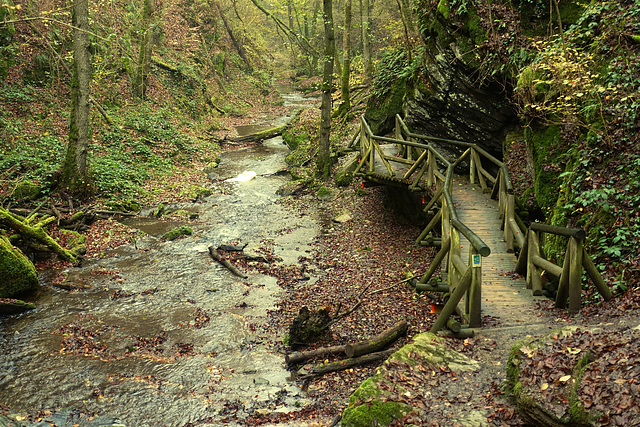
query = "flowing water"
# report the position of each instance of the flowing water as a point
(164, 335)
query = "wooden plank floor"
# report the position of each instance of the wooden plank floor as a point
(504, 295)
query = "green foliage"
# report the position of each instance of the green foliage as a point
(37, 160)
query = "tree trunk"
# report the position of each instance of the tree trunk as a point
(348, 363)
(241, 50)
(366, 42)
(215, 255)
(346, 59)
(75, 173)
(378, 342)
(301, 356)
(146, 50)
(324, 155)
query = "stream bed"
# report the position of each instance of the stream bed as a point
(163, 335)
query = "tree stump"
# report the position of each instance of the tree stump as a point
(309, 326)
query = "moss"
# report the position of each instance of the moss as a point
(177, 232)
(124, 205)
(444, 9)
(17, 272)
(374, 413)
(545, 146)
(27, 190)
(325, 193)
(76, 242)
(158, 211)
(294, 140)
(381, 112)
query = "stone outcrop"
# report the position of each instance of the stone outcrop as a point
(459, 100)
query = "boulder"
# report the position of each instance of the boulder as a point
(378, 402)
(17, 273)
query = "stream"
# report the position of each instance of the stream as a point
(164, 335)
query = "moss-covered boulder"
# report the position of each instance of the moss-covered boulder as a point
(380, 400)
(17, 273)
(27, 190)
(177, 232)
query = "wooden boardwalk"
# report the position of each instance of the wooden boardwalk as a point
(504, 294)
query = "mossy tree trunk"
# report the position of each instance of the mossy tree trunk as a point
(324, 154)
(75, 175)
(345, 106)
(146, 50)
(366, 41)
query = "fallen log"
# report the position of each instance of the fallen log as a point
(301, 356)
(341, 365)
(36, 232)
(258, 136)
(215, 255)
(378, 342)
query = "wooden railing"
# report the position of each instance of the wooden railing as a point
(533, 265)
(427, 170)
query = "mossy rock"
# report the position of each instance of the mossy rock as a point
(14, 306)
(125, 206)
(211, 166)
(325, 194)
(27, 190)
(173, 234)
(17, 272)
(158, 211)
(371, 404)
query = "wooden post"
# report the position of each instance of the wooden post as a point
(575, 276)
(415, 165)
(495, 191)
(563, 287)
(444, 249)
(595, 276)
(472, 169)
(534, 281)
(474, 295)
(432, 168)
(454, 253)
(508, 232)
(480, 170)
(434, 221)
(450, 306)
(521, 265)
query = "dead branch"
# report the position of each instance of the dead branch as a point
(215, 255)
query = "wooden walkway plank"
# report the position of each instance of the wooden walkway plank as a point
(504, 293)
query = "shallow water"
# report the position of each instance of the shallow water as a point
(150, 358)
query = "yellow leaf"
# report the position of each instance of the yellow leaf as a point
(565, 378)
(544, 386)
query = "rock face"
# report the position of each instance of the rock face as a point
(17, 273)
(458, 102)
